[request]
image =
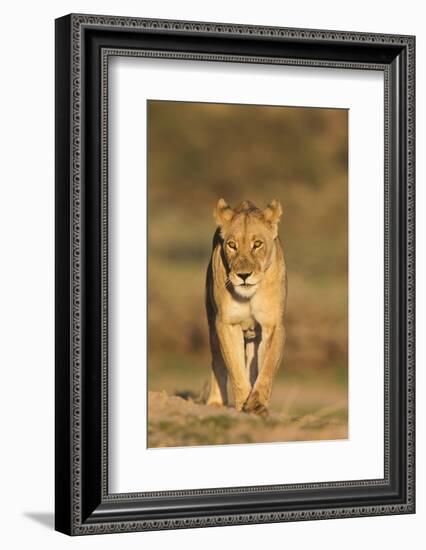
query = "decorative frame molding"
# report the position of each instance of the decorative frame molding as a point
(84, 44)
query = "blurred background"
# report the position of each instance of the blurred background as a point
(199, 152)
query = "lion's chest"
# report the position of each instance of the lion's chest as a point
(240, 313)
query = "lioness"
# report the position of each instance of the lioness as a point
(246, 290)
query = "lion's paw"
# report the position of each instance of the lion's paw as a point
(256, 405)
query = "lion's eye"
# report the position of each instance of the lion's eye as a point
(257, 244)
(232, 245)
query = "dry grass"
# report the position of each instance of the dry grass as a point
(305, 406)
(176, 422)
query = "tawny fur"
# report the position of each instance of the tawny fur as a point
(246, 293)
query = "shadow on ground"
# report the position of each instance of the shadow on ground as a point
(47, 519)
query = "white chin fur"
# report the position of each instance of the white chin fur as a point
(245, 291)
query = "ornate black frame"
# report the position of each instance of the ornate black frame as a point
(83, 46)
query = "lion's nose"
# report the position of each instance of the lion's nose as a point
(244, 276)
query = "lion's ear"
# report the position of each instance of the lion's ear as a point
(272, 214)
(222, 212)
(273, 211)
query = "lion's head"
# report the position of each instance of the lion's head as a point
(248, 236)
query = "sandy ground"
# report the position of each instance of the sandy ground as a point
(175, 421)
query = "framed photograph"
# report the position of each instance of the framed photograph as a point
(234, 274)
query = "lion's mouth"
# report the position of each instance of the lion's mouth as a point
(244, 284)
(247, 285)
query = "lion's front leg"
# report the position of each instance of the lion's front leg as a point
(231, 343)
(218, 384)
(251, 360)
(269, 358)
